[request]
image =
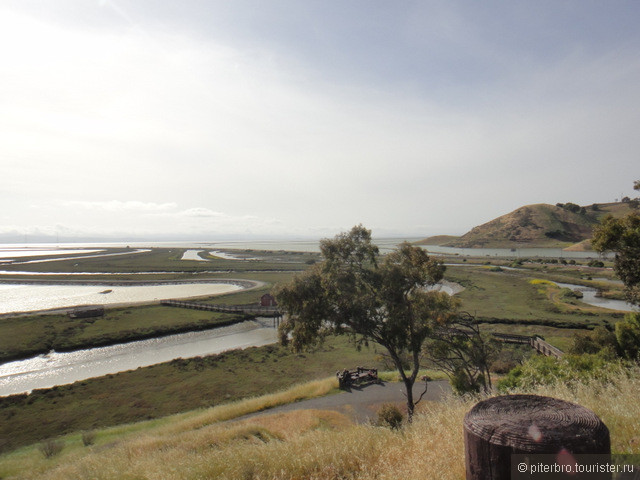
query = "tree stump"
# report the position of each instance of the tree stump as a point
(496, 428)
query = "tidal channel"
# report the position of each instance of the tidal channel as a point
(55, 368)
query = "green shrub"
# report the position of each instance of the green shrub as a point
(389, 416)
(599, 340)
(541, 370)
(88, 438)
(462, 383)
(569, 294)
(50, 448)
(627, 334)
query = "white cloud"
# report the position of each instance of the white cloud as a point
(200, 212)
(120, 206)
(243, 135)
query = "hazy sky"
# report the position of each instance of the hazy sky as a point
(201, 119)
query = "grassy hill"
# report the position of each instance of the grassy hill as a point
(308, 444)
(540, 225)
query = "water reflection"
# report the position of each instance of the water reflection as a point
(590, 297)
(24, 297)
(46, 371)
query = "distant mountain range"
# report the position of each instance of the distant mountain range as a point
(568, 226)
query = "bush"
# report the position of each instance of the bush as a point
(599, 340)
(88, 438)
(508, 357)
(568, 294)
(462, 383)
(595, 263)
(389, 416)
(51, 447)
(627, 333)
(541, 370)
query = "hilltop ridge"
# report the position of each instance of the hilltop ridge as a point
(540, 225)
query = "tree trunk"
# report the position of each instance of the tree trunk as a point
(408, 385)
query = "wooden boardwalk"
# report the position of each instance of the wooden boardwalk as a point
(256, 310)
(535, 342)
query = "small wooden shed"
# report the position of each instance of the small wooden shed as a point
(268, 300)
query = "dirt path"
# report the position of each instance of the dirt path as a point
(362, 404)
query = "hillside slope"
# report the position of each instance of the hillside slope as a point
(540, 225)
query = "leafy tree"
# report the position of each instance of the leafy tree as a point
(600, 340)
(463, 354)
(628, 336)
(355, 292)
(571, 207)
(622, 235)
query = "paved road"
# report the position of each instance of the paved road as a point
(362, 404)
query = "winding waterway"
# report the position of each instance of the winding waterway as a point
(590, 297)
(25, 297)
(46, 371)
(62, 368)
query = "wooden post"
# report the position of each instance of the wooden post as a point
(496, 428)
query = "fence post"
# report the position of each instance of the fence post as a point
(496, 428)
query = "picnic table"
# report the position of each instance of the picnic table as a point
(360, 375)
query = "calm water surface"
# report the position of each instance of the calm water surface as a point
(590, 297)
(20, 297)
(46, 371)
(8, 252)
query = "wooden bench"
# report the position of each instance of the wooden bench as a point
(360, 375)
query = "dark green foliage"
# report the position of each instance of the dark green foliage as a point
(568, 294)
(573, 208)
(389, 416)
(508, 357)
(463, 354)
(88, 438)
(599, 340)
(353, 292)
(622, 235)
(558, 235)
(628, 336)
(595, 264)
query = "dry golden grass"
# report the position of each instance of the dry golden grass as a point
(322, 445)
